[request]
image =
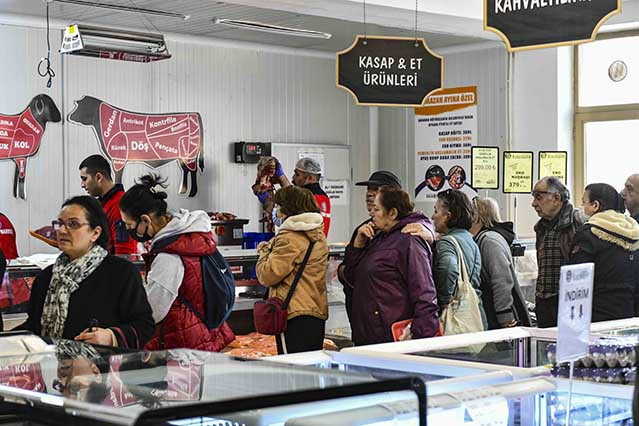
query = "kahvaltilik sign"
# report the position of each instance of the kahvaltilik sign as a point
(532, 24)
(389, 71)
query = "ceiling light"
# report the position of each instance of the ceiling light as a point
(123, 8)
(275, 29)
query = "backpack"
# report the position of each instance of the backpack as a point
(219, 288)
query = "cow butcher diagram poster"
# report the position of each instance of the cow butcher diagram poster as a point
(445, 132)
(152, 139)
(20, 136)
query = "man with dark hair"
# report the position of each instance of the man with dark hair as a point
(630, 194)
(555, 233)
(8, 238)
(95, 176)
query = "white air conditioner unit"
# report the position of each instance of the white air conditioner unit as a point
(108, 43)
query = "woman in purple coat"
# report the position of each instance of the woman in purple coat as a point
(391, 273)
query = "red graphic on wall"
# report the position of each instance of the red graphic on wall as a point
(20, 136)
(23, 376)
(152, 139)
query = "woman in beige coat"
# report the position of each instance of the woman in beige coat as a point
(281, 258)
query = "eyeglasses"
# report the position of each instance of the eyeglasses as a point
(71, 224)
(537, 195)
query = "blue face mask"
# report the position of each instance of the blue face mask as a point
(276, 220)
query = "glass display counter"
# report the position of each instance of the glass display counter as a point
(80, 384)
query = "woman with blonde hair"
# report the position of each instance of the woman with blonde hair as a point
(501, 296)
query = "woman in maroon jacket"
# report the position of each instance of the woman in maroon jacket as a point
(391, 273)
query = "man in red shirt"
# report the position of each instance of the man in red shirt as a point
(7, 239)
(307, 174)
(95, 176)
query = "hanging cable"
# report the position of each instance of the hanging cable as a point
(416, 44)
(48, 72)
(365, 41)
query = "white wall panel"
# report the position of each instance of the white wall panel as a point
(242, 93)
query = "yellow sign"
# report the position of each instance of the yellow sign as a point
(485, 167)
(518, 172)
(553, 163)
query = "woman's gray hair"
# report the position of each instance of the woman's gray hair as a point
(557, 186)
(486, 211)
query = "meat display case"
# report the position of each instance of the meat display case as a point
(76, 384)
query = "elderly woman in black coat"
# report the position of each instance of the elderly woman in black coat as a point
(89, 295)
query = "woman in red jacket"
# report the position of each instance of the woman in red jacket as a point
(178, 241)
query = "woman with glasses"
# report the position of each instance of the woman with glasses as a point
(610, 240)
(89, 295)
(453, 218)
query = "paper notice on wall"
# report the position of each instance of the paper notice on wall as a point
(485, 167)
(445, 132)
(317, 155)
(518, 172)
(337, 191)
(553, 163)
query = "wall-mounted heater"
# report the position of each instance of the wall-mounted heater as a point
(108, 43)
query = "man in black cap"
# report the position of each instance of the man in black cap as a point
(374, 182)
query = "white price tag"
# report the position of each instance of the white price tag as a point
(486, 407)
(575, 311)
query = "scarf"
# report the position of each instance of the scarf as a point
(66, 278)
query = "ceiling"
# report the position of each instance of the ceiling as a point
(201, 12)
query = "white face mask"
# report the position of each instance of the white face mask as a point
(585, 216)
(276, 220)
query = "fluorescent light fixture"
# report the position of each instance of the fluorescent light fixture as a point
(109, 43)
(124, 8)
(275, 29)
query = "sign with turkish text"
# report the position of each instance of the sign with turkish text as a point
(20, 136)
(445, 132)
(389, 71)
(575, 311)
(534, 24)
(485, 167)
(152, 139)
(518, 172)
(23, 376)
(553, 163)
(337, 191)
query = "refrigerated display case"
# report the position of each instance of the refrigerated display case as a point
(80, 384)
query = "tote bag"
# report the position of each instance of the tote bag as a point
(462, 314)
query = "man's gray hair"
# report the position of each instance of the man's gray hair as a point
(557, 186)
(309, 165)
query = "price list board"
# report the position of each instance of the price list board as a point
(485, 167)
(518, 172)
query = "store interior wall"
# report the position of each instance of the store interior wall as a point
(243, 93)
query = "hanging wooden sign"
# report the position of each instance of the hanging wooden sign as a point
(534, 24)
(152, 139)
(389, 71)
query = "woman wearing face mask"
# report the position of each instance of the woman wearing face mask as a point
(178, 240)
(88, 294)
(390, 272)
(281, 258)
(610, 240)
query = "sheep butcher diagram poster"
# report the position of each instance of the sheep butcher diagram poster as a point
(445, 132)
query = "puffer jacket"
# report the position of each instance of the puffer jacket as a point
(181, 328)
(280, 259)
(611, 241)
(392, 281)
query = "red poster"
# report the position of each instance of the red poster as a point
(23, 376)
(152, 139)
(20, 136)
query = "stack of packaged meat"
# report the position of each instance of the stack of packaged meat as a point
(256, 345)
(609, 360)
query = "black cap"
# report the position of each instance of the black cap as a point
(382, 178)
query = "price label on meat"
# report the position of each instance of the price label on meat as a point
(531, 24)
(553, 163)
(152, 139)
(20, 136)
(485, 167)
(389, 71)
(518, 172)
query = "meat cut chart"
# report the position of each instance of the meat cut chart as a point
(136, 137)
